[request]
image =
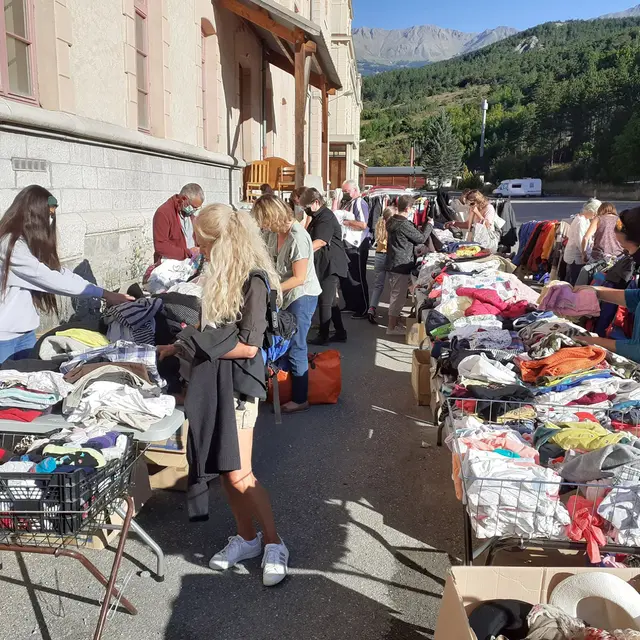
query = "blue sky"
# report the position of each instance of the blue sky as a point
(478, 15)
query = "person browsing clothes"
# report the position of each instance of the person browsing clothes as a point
(330, 262)
(31, 273)
(173, 225)
(628, 235)
(291, 249)
(403, 238)
(222, 408)
(355, 288)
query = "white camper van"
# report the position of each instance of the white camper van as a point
(521, 188)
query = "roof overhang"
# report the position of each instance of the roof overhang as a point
(280, 30)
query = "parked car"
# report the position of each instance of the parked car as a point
(520, 188)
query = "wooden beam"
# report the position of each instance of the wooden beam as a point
(285, 51)
(325, 133)
(300, 103)
(282, 62)
(261, 18)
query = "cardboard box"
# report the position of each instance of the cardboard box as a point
(166, 458)
(468, 587)
(416, 332)
(176, 443)
(171, 478)
(421, 376)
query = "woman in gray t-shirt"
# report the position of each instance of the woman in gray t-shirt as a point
(291, 248)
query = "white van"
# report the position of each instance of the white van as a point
(522, 188)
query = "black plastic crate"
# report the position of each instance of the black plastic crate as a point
(60, 503)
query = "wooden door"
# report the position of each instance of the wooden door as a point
(337, 172)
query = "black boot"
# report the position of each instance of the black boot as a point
(323, 335)
(340, 334)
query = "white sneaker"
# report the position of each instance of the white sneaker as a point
(274, 564)
(236, 551)
(397, 331)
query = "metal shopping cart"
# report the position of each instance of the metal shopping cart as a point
(512, 505)
(57, 514)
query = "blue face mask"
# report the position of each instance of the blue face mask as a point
(189, 210)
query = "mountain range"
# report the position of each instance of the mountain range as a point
(380, 50)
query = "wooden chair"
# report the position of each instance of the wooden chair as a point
(258, 175)
(286, 179)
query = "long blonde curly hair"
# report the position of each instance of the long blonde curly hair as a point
(233, 247)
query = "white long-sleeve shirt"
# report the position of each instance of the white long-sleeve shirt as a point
(18, 314)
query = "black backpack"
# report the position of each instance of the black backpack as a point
(281, 327)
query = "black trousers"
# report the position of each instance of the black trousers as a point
(355, 287)
(328, 307)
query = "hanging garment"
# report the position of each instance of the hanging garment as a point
(509, 232)
(586, 525)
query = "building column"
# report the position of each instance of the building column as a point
(325, 133)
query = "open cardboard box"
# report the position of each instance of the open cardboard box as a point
(468, 587)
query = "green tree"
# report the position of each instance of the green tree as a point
(440, 151)
(625, 159)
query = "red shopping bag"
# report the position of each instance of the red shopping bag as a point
(325, 379)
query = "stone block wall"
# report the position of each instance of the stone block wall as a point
(107, 197)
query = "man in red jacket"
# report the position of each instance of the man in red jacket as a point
(173, 226)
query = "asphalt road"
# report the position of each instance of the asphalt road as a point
(366, 508)
(552, 208)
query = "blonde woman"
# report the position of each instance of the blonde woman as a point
(603, 231)
(234, 301)
(291, 250)
(382, 237)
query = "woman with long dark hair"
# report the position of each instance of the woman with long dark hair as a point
(30, 271)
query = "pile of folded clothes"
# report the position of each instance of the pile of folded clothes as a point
(26, 396)
(115, 384)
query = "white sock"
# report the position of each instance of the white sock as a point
(254, 542)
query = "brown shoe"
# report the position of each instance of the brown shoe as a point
(293, 407)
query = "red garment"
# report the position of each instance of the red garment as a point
(535, 259)
(20, 415)
(586, 525)
(488, 302)
(168, 237)
(591, 398)
(633, 429)
(623, 320)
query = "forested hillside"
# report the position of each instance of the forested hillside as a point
(561, 93)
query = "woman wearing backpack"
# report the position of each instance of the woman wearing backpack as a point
(291, 250)
(234, 250)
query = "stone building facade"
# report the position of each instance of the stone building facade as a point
(113, 105)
